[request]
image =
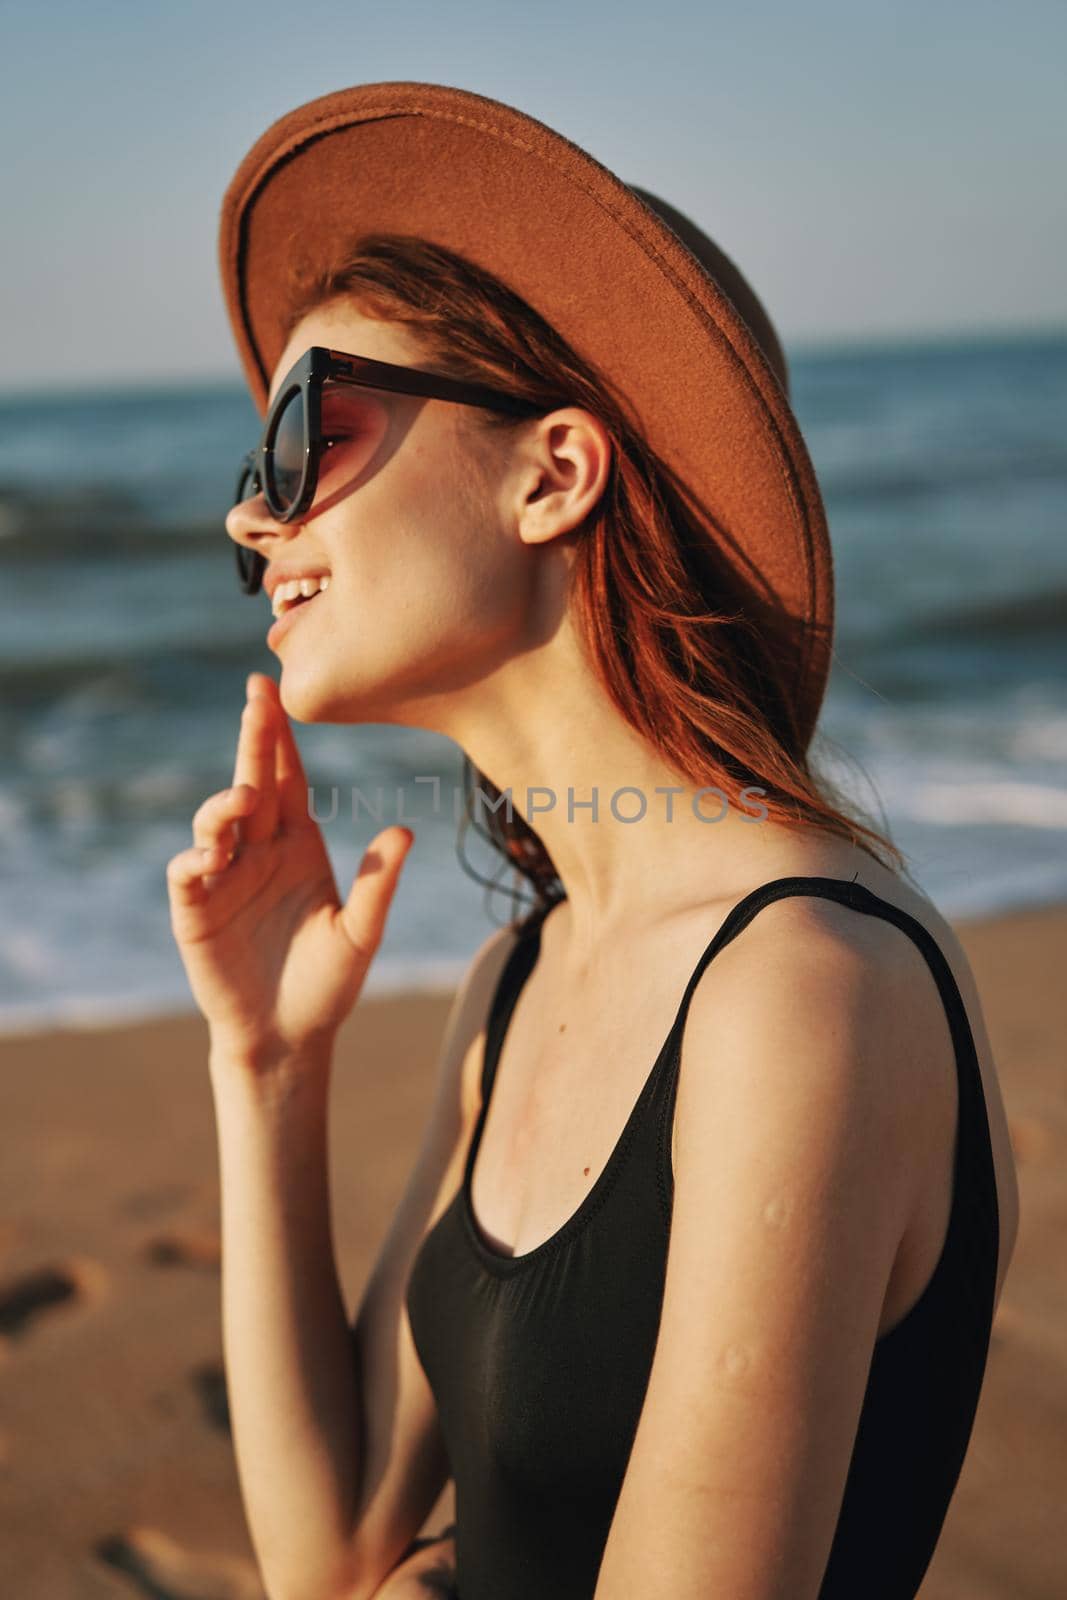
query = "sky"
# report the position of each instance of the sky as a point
(877, 170)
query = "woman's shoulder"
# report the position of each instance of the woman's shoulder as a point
(808, 1045)
(844, 934)
(810, 966)
(479, 991)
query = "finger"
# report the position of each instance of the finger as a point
(254, 765)
(213, 821)
(289, 774)
(365, 910)
(186, 872)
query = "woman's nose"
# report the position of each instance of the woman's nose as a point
(250, 523)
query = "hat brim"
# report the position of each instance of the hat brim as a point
(595, 260)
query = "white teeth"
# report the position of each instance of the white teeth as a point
(296, 588)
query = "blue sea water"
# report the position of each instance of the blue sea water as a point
(124, 647)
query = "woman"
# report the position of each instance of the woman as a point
(691, 1287)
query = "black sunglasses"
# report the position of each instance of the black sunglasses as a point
(284, 466)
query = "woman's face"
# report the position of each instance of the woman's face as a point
(432, 585)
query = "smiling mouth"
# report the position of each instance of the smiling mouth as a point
(297, 592)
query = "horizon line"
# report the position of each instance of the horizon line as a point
(800, 348)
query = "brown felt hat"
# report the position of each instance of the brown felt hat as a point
(629, 282)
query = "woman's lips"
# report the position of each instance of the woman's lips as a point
(283, 623)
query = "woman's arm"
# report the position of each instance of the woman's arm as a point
(800, 1151)
(427, 1567)
(291, 1380)
(338, 1445)
(336, 1433)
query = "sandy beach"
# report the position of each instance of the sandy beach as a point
(117, 1475)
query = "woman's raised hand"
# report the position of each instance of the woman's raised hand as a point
(274, 959)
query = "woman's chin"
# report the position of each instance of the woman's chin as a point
(305, 699)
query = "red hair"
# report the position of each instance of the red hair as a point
(695, 663)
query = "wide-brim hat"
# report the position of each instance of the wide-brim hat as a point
(629, 282)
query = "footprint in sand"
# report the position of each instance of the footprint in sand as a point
(160, 1568)
(210, 1382)
(186, 1247)
(60, 1286)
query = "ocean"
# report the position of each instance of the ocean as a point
(125, 644)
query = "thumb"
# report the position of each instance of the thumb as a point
(364, 912)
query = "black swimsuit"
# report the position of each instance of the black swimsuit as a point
(539, 1363)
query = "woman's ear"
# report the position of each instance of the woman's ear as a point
(563, 472)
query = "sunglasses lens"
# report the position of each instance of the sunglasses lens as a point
(286, 459)
(250, 566)
(250, 569)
